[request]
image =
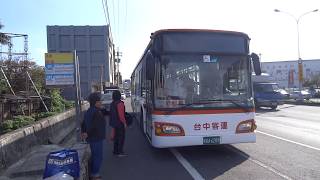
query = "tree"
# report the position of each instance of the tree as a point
(3, 85)
(314, 81)
(16, 73)
(4, 39)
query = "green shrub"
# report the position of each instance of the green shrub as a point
(57, 102)
(15, 123)
(21, 121)
(42, 115)
(7, 126)
(68, 104)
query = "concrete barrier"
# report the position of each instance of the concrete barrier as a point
(14, 145)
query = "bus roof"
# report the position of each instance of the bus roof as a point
(161, 31)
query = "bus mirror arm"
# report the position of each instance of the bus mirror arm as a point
(256, 63)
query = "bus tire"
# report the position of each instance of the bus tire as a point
(274, 107)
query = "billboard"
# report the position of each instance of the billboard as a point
(59, 69)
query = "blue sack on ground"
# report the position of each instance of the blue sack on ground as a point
(65, 160)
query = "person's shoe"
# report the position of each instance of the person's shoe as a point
(122, 155)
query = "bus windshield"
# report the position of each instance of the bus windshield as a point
(202, 81)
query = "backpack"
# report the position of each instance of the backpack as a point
(129, 119)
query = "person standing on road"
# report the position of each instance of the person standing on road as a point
(93, 130)
(118, 124)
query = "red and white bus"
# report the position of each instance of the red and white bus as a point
(193, 87)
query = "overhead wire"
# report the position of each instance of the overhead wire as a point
(126, 15)
(118, 20)
(106, 15)
(113, 14)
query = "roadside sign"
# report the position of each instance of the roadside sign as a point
(59, 69)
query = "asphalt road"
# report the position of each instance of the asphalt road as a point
(287, 147)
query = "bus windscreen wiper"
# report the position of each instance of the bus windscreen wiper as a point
(187, 105)
(229, 100)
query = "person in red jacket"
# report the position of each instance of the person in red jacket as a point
(118, 123)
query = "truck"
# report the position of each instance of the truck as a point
(266, 92)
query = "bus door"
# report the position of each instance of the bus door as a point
(148, 108)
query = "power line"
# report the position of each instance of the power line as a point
(106, 10)
(126, 15)
(118, 21)
(113, 13)
(106, 14)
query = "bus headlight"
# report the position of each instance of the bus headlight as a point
(168, 129)
(246, 126)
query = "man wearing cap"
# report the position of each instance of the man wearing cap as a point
(93, 130)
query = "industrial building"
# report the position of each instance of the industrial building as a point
(95, 51)
(285, 73)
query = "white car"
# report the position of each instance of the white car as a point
(123, 96)
(305, 94)
(106, 100)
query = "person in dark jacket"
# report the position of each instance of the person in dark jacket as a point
(118, 124)
(93, 130)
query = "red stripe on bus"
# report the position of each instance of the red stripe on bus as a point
(209, 111)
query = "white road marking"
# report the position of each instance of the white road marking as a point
(191, 170)
(290, 141)
(258, 162)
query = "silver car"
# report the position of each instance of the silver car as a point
(106, 100)
(296, 94)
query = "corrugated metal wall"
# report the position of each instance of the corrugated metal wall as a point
(93, 50)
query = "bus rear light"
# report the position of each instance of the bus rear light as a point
(246, 126)
(168, 129)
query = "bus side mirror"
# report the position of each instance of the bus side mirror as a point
(150, 66)
(256, 64)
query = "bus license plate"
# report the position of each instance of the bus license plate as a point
(211, 140)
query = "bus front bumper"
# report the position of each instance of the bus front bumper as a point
(177, 141)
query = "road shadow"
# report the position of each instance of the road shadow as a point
(263, 110)
(143, 161)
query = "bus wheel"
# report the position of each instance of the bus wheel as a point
(274, 107)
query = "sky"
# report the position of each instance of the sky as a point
(273, 35)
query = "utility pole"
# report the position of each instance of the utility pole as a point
(300, 66)
(101, 78)
(117, 63)
(78, 92)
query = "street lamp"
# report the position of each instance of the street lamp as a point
(300, 67)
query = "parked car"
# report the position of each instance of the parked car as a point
(106, 100)
(296, 94)
(284, 93)
(128, 93)
(315, 93)
(123, 96)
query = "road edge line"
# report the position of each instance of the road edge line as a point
(287, 140)
(191, 170)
